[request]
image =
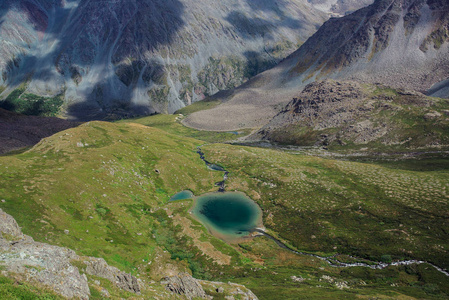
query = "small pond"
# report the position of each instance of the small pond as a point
(228, 215)
(182, 196)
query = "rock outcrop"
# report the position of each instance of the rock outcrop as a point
(184, 284)
(99, 267)
(9, 227)
(53, 266)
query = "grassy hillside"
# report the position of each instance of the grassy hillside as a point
(339, 207)
(102, 189)
(104, 183)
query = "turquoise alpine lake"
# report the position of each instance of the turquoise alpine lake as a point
(182, 196)
(228, 215)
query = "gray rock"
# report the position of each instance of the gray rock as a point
(184, 284)
(47, 264)
(432, 115)
(9, 226)
(99, 267)
(52, 266)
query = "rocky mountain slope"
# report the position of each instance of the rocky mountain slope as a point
(334, 114)
(144, 56)
(339, 7)
(403, 43)
(400, 43)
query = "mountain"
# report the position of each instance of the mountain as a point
(339, 7)
(400, 43)
(144, 56)
(335, 114)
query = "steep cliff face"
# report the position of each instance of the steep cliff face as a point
(400, 43)
(144, 56)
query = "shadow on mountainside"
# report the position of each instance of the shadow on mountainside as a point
(102, 49)
(19, 131)
(272, 14)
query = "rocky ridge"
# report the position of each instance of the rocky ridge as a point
(340, 113)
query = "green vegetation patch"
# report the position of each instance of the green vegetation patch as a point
(32, 105)
(12, 289)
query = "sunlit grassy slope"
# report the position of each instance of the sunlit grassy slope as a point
(99, 181)
(340, 206)
(108, 184)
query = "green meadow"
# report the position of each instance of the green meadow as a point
(109, 185)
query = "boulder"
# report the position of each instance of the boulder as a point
(184, 284)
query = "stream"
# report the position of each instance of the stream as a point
(331, 260)
(335, 263)
(220, 184)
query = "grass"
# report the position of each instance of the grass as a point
(11, 289)
(99, 181)
(171, 124)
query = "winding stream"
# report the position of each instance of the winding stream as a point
(331, 260)
(220, 184)
(335, 263)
